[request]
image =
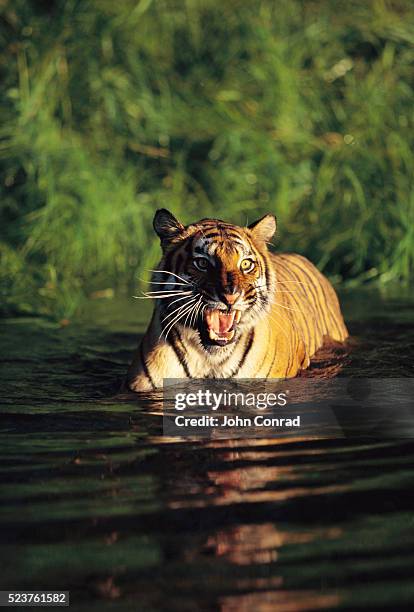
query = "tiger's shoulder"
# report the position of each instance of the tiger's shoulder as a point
(309, 294)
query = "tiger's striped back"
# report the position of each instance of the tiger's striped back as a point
(311, 316)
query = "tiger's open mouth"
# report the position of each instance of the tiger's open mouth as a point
(220, 325)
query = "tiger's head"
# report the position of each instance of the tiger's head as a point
(215, 279)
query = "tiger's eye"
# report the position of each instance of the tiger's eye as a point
(247, 265)
(201, 263)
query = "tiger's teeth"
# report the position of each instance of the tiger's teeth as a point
(224, 336)
(220, 323)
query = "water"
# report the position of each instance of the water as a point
(96, 501)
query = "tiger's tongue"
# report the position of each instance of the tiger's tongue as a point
(220, 322)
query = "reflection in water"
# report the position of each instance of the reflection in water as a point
(280, 600)
(96, 501)
(251, 544)
(254, 545)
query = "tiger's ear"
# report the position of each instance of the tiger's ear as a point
(166, 225)
(264, 228)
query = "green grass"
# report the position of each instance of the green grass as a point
(232, 109)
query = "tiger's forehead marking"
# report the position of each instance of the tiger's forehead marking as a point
(215, 239)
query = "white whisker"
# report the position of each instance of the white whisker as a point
(194, 316)
(155, 295)
(166, 291)
(278, 305)
(171, 324)
(158, 297)
(177, 309)
(190, 314)
(172, 274)
(181, 310)
(281, 283)
(277, 290)
(173, 282)
(199, 311)
(185, 297)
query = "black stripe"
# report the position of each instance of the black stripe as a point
(145, 367)
(224, 224)
(305, 316)
(304, 330)
(209, 222)
(267, 271)
(246, 351)
(315, 284)
(312, 291)
(235, 235)
(265, 356)
(333, 316)
(273, 362)
(211, 234)
(179, 350)
(266, 266)
(292, 353)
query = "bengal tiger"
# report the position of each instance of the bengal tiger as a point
(226, 307)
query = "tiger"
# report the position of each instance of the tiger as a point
(228, 307)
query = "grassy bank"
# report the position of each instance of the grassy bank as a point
(230, 109)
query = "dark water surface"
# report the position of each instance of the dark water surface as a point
(94, 500)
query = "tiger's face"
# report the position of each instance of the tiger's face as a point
(215, 278)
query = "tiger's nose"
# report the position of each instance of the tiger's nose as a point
(230, 298)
